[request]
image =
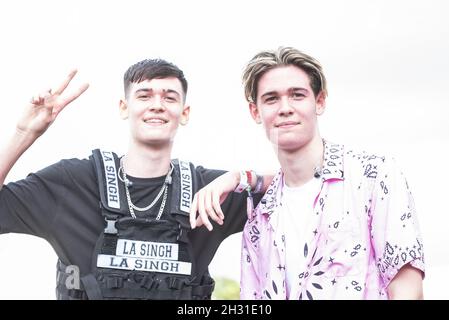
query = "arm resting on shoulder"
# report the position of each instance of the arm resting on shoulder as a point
(207, 201)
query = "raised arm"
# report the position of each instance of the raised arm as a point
(38, 115)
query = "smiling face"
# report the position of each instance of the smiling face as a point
(287, 107)
(155, 108)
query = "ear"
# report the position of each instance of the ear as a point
(320, 103)
(123, 107)
(184, 119)
(254, 112)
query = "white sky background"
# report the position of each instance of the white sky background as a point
(386, 63)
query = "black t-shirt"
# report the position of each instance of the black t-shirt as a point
(61, 204)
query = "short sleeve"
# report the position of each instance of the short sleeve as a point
(395, 232)
(29, 205)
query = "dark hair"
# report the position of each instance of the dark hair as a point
(149, 69)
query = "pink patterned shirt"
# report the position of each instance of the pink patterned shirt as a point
(364, 229)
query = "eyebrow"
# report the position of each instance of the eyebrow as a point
(145, 90)
(270, 93)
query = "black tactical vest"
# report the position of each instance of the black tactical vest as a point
(139, 258)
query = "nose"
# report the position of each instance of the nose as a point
(285, 108)
(156, 104)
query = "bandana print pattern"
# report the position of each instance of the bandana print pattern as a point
(349, 252)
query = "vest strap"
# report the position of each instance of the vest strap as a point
(91, 286)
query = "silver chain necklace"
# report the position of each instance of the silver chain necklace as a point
(164, 190)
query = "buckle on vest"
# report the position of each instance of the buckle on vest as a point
(148, 282)
(77, 294)
(179, 232)
(110, 227)
(182, 234)
(175, 283)
(114, 282)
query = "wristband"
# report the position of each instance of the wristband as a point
(259, 184)
(245, 182)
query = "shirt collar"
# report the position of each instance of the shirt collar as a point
(333, 161)
(271, 198)
(332, 170)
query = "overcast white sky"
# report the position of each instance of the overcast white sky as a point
(386, 63)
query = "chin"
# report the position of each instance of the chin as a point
(160, 144)
(289, 144)
(155, 140)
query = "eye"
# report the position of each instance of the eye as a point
(297, 95)
(143, 97)
(271, 99)
(171, 99)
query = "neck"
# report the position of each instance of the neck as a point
(298, 165)
(147, 161)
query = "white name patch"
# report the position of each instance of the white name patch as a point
(146, 249)
(186, 186)
(110, 173)
(150, 265)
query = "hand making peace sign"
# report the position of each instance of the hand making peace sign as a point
(43, 109)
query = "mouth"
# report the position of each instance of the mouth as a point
(155, 121)
(287, 124)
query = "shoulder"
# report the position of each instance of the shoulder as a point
(366, 163)
(77, 165)
(74, 169)
(64, 173)
(204, 175)
(64, 166)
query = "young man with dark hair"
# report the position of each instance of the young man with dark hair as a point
(119, 225)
